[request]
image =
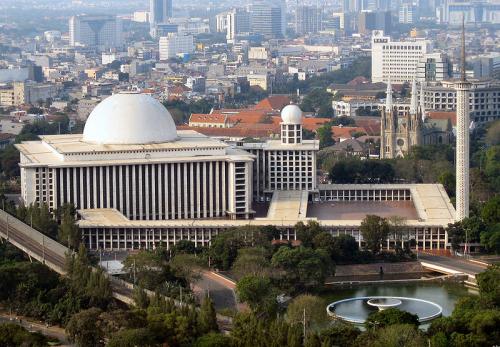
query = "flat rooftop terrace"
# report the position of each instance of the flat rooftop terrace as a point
(352, 210)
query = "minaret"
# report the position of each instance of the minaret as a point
(462, 161)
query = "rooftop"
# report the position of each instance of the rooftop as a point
(430, 206)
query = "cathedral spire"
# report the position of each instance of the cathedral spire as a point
(414, 100)
(422, 100)
(388, 99)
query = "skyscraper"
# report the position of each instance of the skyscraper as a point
(268, 19)
(160, 12)
(308, 19)
(462, 170)
(238, 21)
(97, 31)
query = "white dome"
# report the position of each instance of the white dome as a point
(291, 114)
(129, 119)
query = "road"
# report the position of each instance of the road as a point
(453, 263)
(220, 291)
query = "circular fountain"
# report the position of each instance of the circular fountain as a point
(384, 303)
(356, 310)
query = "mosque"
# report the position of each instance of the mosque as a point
(137, 182)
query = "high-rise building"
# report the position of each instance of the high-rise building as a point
(407, 14)
(174, 44)
(396, 60)
(308, 19)
(268, 19)
(237, 21)
(374, 20)
(434, 67)
(221, 22)
(462, 147)
(97, 31)
(160, 11)
(487, 65)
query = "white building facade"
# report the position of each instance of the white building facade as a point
(396, 60)
(174, 44)
(96, 31)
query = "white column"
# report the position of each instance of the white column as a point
(134, 193)
(179, 191)
(153, 191)
(185, 167)
(204, 182)
(88, 186)
(68, 185)
(128, 201)
(108, 188)
(198, 187)
(191, 190)
(101, 188)
(141, 193)
(462, 150)
(94, 182)
(75, 187)
(172, 195)
(217, 189)
(210, 190)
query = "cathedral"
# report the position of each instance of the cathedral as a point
(399, 134)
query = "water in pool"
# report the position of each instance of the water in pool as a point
(443, 294)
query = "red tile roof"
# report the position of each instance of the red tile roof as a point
(358, 80)
(371, 126)
(231, 132)
(273, 102)
(248, 116)
(343, 132)
(207, 118)
(313, 124)
(451, 115)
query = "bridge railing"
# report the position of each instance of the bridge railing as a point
(35, 235)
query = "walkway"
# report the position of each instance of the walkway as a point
(31, 325)
(452, 265)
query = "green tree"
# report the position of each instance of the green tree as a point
(390, 316)
(301, 268)
(251, 261)
(399, 335)
(345, 248)
(491, 210)
(141, 299)
(307, 232)
(340, 334)
(312, 306)
(12, 335)
(489, 284)
(207, 317)
(258, 293)
(213, 340)
(138, 337)
(325, 135)
(69, 232)
(447, 179)
(375, 231)
(184, 246)
(84, 329)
